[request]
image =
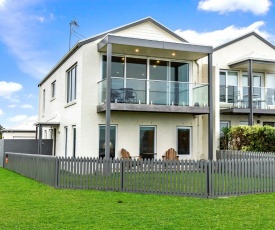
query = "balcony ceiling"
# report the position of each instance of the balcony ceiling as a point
(260, 65)
(161, 49)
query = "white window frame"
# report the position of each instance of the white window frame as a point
(74, 135)
(224, 122)
(44, 101)
(66, 140)
(71, 84)
(53, 89)
(102, 125)
(190, 138)
(226, 83)
(155, 136)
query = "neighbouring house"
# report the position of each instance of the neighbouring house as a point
(26, 130)
(244, 83)
(139, 87)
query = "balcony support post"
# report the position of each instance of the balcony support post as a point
(250, 92)
(108, 100)
(210, 104)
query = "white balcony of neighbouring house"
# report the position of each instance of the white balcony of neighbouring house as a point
(235, 100)
(155, 96)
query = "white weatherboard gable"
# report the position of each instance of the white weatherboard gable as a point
(148, 30)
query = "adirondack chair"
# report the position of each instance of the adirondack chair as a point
(171, 154)
(126, 155)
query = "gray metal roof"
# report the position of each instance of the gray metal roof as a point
(243, 37)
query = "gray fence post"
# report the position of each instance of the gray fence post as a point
(121, 175)
(56, 183)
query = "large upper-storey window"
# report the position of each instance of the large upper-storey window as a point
(71, 84)
(148, 80)
(228, 86)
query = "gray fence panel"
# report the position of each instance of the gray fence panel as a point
(1, 153)
(40, 168)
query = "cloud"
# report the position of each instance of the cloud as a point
(218, 37)
(1, 112)
(11, 106)
(18, 118)
(26, 106)
(9, 88)
(2, 3)
(23, 118)
(18, 20)
(33, 118)
(257, 7)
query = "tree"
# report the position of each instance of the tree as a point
(1, 128)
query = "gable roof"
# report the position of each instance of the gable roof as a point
(23, 127)
(98, 36)
(253, 33)
(118, 29)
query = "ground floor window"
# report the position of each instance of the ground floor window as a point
(66, 140)
(147, 141)
(74, 141)
(102, 140)
(243, 122)
(272, 124)
(184, 140)
(224, 124)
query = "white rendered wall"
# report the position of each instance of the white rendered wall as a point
(18, 135)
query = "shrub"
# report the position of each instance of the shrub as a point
(249, 138)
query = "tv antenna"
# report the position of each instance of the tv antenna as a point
(73, 24)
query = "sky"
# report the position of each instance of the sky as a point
(34, 35)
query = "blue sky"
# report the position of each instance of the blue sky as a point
(34, 35)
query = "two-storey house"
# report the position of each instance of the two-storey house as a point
(138, 87)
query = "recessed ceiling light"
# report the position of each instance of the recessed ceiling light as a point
(157, 61)
(122, 59)
(137, 50)
(173, 54)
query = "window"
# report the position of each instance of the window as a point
(272, 124)
(228, 86)
(102, 140)
(147, 141)
(117, 66)
(184, 140)
(66, 140)
(74, 141)
(53, 89)
(153, 81)
(243, 122)
(224, 124)
(71, 84)
(44, 101)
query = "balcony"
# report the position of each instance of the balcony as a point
(128, 94)
(235, 99)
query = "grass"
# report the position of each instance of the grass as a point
(27, 204)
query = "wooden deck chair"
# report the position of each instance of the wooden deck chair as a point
(171, 154)
(126, 155)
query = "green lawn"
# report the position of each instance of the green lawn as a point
(26, 204)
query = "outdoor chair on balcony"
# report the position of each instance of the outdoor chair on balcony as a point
(170, 154)
(128, 95)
